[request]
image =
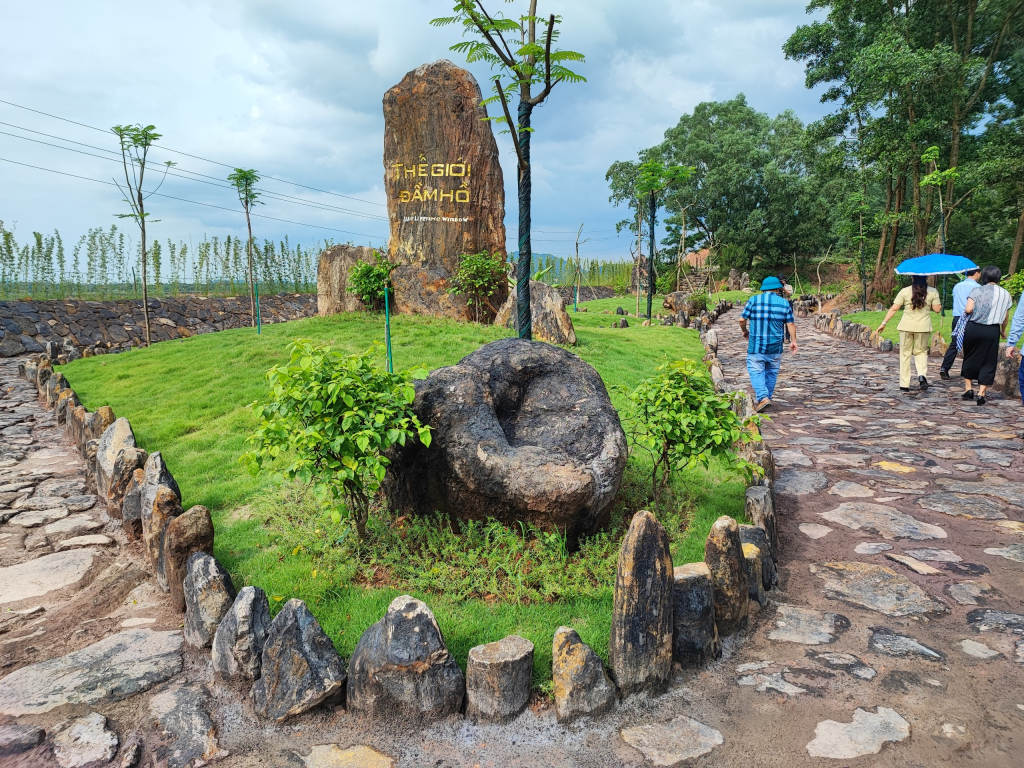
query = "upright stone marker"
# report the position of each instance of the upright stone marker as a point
(446, 195)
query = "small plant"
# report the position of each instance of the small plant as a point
(332, 417)
(699, 301)
(478, 278)
(370, 281)
(681, 421)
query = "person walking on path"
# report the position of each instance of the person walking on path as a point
(986, 310)
(767, 318)
(1016, 331)
(915, 328)
(960, 293)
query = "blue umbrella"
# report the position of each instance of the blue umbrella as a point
(935, 264)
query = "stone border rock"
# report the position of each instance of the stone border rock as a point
(69, 328)
(401, 667)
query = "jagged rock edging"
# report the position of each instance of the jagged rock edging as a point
(179, 546)
(82, 328)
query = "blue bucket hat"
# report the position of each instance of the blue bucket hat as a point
(770, 284)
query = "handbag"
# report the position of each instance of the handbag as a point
(958, 332)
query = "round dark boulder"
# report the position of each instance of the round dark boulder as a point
(523, 431)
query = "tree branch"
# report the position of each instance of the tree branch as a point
(547, 66)
(512, 127)
(992, 56)
(509, 62)
(511, 56)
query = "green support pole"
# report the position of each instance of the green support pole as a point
(256, 287)
(387, 330)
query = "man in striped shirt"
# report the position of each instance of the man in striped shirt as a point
(766, 319)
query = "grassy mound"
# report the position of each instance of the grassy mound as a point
(188, 399)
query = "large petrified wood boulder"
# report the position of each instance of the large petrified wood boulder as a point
(581, 686)
(522, 431)
(681, 301)
(299, 667)
(640, 648)
(445, 191)
(548, 319)
(332, 273)
(401, 667)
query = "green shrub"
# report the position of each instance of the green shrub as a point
(1014, 284)
(478, 278)
(370, 281)
(666, 282)
(681, 421)
(331, 417)
(699, 301)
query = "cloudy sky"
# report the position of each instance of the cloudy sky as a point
(294, 89)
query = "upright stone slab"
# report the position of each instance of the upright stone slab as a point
(186, 534)
(498, 679)
(760, 510)
(581, 686)
(125, 465)
(166, 507)
(209, 595)
(240, 637)
(332, 273)
(752, 567)
(401, 667)
(444, 186)
(755, 534)
(299, 667)
(116, 438)
(640, 648)
(723, 554)
(131, 506)
(695, 636)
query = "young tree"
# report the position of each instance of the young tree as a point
(653, 178)
(244, 182)
(136, 142)
(531, 63)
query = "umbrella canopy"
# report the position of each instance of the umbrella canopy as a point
(935, 264)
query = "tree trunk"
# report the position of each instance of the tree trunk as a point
(252, 294)
(876, 285)
(524, 321)
(1016, 243)
(920, 224)
(653, 209)
(888, 279)
(145, 291)
(682, 249)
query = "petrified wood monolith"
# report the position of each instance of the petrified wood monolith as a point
(332, 273)
(640, 648)
(695, 636)
(444, 186)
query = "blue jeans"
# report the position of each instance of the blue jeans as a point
(763, 371)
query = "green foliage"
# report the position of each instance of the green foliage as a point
(666, 283)
(331, 418)
(682, 422)
(478, 277)
(244, 181)
(370, 281)
(1014, 284)
(653, 176)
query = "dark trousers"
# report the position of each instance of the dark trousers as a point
(950, 358)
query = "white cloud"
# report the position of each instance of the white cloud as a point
(294, 89)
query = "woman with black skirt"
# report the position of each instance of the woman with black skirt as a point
(986, 310)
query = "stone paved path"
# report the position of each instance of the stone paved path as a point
(896, 637)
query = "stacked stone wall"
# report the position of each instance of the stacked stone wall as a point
(91, 327)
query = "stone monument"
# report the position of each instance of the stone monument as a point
(444, 186)
(332, 273)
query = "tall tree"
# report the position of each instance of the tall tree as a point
(244, 182)
(527, 63)
(653, 179)
(136, 141)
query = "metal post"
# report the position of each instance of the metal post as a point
(387, 329)
(259, 327)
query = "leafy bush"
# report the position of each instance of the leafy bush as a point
(666, 282)
(681, 421)
(370, 281)
(1014, 284)
(620, 283)
(478, 278)
(699, 301)
(331, 417)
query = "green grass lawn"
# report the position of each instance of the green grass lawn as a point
(188, 399)
(874, 319)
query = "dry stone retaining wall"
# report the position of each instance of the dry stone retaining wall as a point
(401, 665)
(98, 327)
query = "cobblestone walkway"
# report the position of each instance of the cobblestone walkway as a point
(896, 637)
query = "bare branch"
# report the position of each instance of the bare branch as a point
(548, 85)
(512, 127)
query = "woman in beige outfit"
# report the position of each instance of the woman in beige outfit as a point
(917, 301)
